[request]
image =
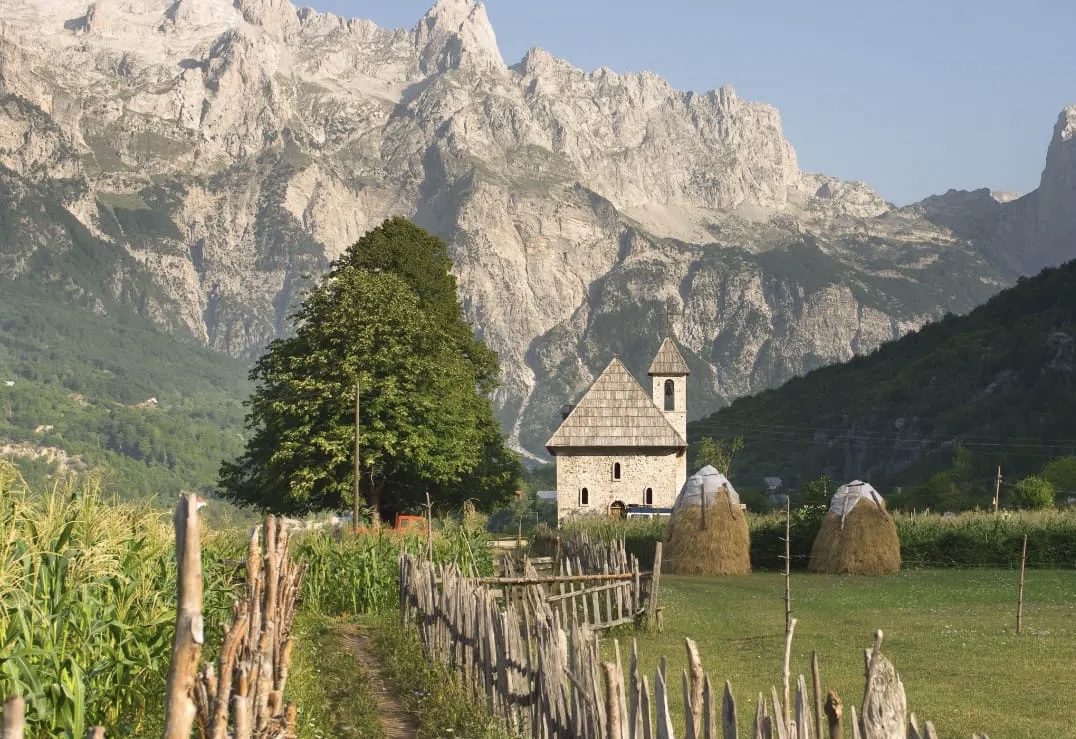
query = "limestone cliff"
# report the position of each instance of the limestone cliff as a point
(224, 152)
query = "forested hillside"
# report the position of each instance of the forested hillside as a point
(961, 396)
(80, 391)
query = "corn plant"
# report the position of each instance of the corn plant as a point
(87, 607)
(359, 574)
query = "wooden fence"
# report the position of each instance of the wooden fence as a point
(240, 697)
(545, 677)
(599, 585)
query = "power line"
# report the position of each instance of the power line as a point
(869, 439)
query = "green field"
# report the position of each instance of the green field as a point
(950, 633)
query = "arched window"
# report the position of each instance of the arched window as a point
(648, 497)
(670, 395)
(616, 470)
(584, 496)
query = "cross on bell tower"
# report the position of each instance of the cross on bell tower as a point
(667, 314)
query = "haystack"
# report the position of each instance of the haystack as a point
(858, 535)
(707, 532)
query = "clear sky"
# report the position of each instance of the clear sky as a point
(910, 96)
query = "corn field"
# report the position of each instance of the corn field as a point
(87, 608)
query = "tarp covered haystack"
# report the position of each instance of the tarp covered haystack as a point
(858, 535)
(708, 532)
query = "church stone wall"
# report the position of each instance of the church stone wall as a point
(663, 471)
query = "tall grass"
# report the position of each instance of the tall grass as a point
(87, 607)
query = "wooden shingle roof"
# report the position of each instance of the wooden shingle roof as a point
(616, 411)
(668, 361)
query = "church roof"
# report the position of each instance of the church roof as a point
(615, 411)
(668, 361)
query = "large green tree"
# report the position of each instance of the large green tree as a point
(385, 319)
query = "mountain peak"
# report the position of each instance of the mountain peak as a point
(278, 18)
(1065, 130)
(457, 34)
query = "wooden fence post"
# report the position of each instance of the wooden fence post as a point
(785, 672)
(788, 566)
(189, 637)
(817, 685)
(655, 589)
(834, 715)
(1020, 597)
(885, 706)
(14, 718)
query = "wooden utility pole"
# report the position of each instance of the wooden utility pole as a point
(997, 490)
(355, 503)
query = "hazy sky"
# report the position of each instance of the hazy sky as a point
(911, 96)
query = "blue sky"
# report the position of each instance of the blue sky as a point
(912, 97)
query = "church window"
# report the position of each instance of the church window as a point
(616, 470)
(648, 497)
(670, 395)
(584, 497)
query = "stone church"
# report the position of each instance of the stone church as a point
(621, 445)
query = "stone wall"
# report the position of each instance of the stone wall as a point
(662, 470)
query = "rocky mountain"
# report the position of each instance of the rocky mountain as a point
(1027, 233)
(198, 160)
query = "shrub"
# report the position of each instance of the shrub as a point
(985, 539)
(1035, 493)
(768, 537)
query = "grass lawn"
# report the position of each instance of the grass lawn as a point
(950, 633)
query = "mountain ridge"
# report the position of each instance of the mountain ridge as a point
(992, 389)
(229, 150)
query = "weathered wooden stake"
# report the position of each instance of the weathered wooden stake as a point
(728, 713)
(655, 588)
(189, 637)
(788, 566)
(1020, 597)
(612, 700)
(696, 683)
(834, 715)
(14, 718)
(786, 708)
(429, 527)
(816, 678)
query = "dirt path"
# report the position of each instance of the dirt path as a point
(394, 718)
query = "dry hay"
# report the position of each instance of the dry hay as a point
(720, 545)
(865, 544)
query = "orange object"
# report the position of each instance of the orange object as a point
(411, 524)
